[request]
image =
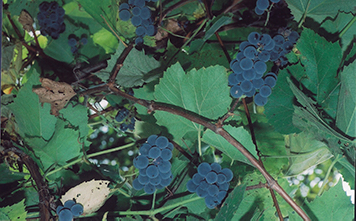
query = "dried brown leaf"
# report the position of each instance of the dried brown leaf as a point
(55, 93)
(26, 20)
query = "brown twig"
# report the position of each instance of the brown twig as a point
(251, 129)
(180, 149)
(223, 47)
(101, 112)
(228, 114)
(42, 188)
(258, 186)
(120, 62)
(15, 27)
(275, 202)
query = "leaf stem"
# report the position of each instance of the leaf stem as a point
(90, 156)
(112, 30)
(154, 200)
(304, 14)
(347, 27)
(161, 209)
(199, 143)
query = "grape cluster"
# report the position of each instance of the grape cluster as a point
(50, 18)
(69, 210)
(140, 16)
(250, 65)
(75, 43)
(210, 182)
(262, 5)
(127, 122)
(153, 164)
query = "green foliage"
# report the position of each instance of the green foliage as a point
(335, 201)
(319, 9)
(132, 73)
(311, 153)
(223, 145)
(202, 92)
(33, 119)
(321, 71)
(346, 113)
(15, 212)
(180, 82)
(232, 202)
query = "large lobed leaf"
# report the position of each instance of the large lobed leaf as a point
(32, 119)
(204, 92)
(77, 115)
(305, 152)
(15, 212)
(321, 71)
(335, 26)
(62, 147)
(231, 204)
(319, 9)
(335, 202)
(346, 111)
(279, 109)
(137, 68)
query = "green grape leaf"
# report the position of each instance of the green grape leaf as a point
(231, 204)
(334, 201)
(204, 92)
(260, 199)
(77, 116)
(107, 8)
(335, 26)
(132, 73)
(279, 109)
(217, 23)
(63, 146)
(346, 111)
(240, 134)
(15, 212)
(305, 152)
(7, 52)
(321, 71)
(8, 176)
(347, 170)
(32, 119)
(208, 55)
(319, 9)
(271, 143)
(106, 39)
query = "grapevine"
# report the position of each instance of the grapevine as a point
(175, 110)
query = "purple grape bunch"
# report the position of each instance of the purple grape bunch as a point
(75, 43)
(69, 210)
(127, 121)
(262, 5)
(249, 66)
(50, 19)
(141, 17)
(210, 182)
(153, 164)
